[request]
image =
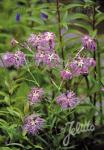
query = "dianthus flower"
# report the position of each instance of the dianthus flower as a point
(50, 39)
(35, 95)
(66, 74)
(67, 100)
(8, 59)
(13, 59)
(33, 124)
(49, 59)
(81, 65)
(19, 59)
(42, 42)
(89, 43)
(32, 40)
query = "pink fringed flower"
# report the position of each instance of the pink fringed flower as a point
(52, 59)
(35, 95)
(32, 40)
(67, 100)
(33, 124)
(19, 59)
(66, 74)
(8, 59)
(42, 42)
(40, 57)
(45, 53)
(13, 59)
(89, 43)
(81, 65)
(50, 39)
(49, 59)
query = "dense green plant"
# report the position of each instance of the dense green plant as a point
(70, 22)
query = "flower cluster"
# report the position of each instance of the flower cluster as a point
(47, 58)
(35, 95)
(89, 43)
(33, 124)
(13, 59)
(44, 44)
(44, 41)
(79, 66)
(45, 54)
(67, 100)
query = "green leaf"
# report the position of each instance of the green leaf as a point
(5, 148)
(14, 111)
(38, 147)
(26, 108)
(37, 20)
(70, 6)
(16, 144)
(82, 25)
(78, 16)
(99, 18)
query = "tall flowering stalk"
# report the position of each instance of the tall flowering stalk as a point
(88, 87)
(94, 56)
(44, 45)
(59, 28)
(99, 79)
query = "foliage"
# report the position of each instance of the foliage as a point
(77, 19)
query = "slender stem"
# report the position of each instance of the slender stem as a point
(53, 82)
(33, 78)
(78, 53)
(99, 79)
(2, 61)
(97, 69)
(25, 46)
(94, 56)
(88, 87)
(29, 2)
(28, 69)
(59, 28)
(67, 64)
(27, 140)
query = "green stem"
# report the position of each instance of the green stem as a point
(29, 3)
(94, 56)
(97, 69)
(2, 61)
(88, 88)
(28, 69)
(59, 28)
(29, 142)
(99, 80)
